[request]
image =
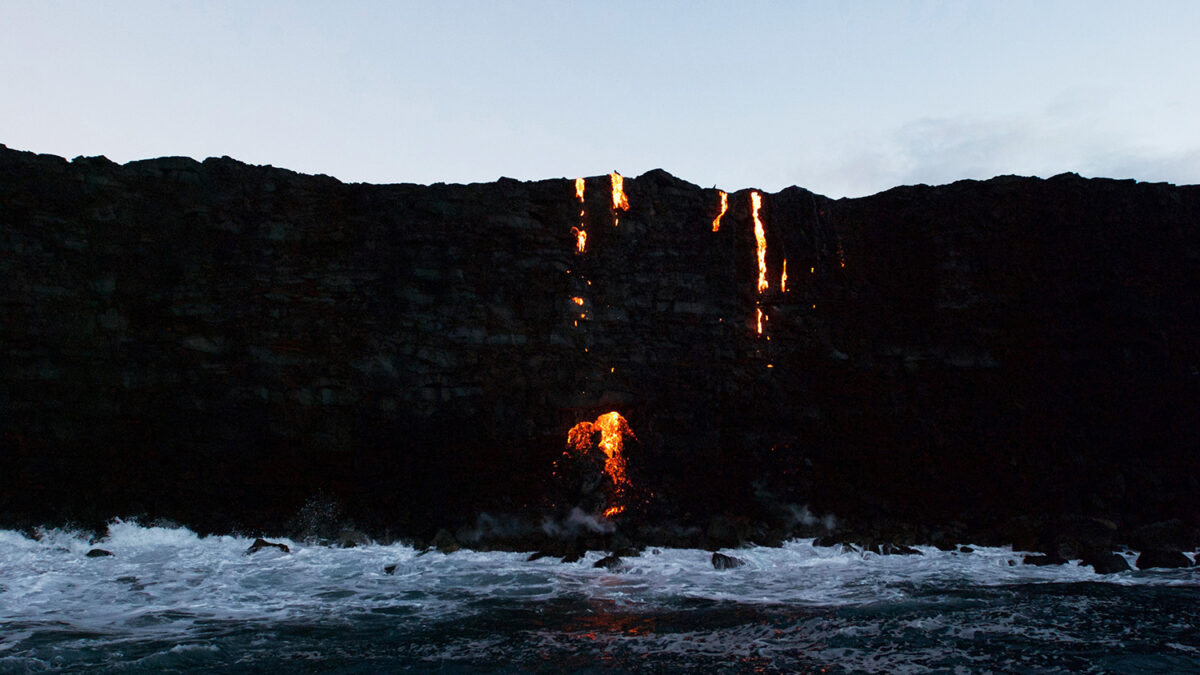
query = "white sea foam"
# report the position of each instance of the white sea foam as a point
(163, 581)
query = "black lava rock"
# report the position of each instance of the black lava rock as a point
(1105, 562)
(260, 544)
(608, 562)
(1162, 559)
(721, 561)
(98, 553)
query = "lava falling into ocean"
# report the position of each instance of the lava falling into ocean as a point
(613, 429)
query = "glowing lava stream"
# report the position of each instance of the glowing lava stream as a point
(580, 234)
(760, 238)
(724, 208)
(613, 429)
(783, 278)
(619, 201)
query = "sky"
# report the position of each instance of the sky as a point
(845, 98)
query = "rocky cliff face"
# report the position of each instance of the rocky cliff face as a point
(217, 343)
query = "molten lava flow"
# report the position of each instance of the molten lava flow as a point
(619, 201)
(579, 189)
(724, 208)
(580, 239)
(577, 300)
(783, 278)
(760, 321)
(613, 429)
(760, 238)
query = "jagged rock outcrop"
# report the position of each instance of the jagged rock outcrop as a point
(216, 343)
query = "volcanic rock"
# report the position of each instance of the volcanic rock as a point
(215, 342)
(389, 569)
(894, 549)
(608, 562)
(1105, 562)
(261, 544)
(721, 561)
(1162, 559)
(98, 553)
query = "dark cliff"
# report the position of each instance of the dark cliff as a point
(217, 343)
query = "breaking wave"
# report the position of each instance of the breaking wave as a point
(169, 599)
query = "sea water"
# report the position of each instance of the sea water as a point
(168, 599)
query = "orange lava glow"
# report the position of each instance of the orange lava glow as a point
(580, 239)
(783, 278)
(613, 429)
(760, 238)
(619, 201)
(579, 189)
(724, 208)
(759, 321)
(577, 300)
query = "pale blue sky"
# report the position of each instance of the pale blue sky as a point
(843, 98)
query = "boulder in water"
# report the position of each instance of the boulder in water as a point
(260, 544)
(1105, 562)
(721, 561)
(608, 562)
(1162, 559)
(98, 553)
(389, 570)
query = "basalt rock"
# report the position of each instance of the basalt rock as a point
(1162, 559)
(720, 561)
(262, 544)
(608, 562)
(98, 553)
(1105, 562)
(214, 343)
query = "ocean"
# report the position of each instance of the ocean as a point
(169, 600)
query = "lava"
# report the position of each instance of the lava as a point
(783, 278)
(760, 238)
(759, 322)
(577, 300)
(724, 207)
(619, 201)
(580, 239)
(613, 429)
(579, 189)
